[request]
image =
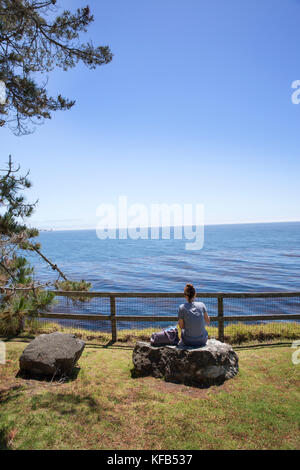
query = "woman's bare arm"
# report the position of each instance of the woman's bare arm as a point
(181, 323)
(206, 318)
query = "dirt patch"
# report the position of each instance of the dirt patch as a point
(29, 387)
(171, 388)
(7, 390)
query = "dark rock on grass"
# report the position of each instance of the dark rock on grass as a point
(51, 355)
(209, 365)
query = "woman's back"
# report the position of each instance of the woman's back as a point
(194, 332)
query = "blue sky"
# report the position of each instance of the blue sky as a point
(194, 108)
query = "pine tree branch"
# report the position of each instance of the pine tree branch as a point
(53, 266)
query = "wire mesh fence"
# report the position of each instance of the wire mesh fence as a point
(263, 318)
(82, 305)
(276, 305)
(235, 317)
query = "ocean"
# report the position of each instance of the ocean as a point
(234, 258)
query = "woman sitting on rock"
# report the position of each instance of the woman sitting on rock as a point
(192, 317)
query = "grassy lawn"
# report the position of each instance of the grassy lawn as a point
(235, 333)
(104, 408)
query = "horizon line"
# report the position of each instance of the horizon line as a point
(65, 229)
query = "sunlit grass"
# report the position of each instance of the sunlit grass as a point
(239, 333)
(103, 407)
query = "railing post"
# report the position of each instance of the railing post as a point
(220, 318)
(113, 319)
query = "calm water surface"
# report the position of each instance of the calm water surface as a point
(248, 257)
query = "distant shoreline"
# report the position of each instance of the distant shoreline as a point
(172, 226)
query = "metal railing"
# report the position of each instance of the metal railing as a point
(114, 316)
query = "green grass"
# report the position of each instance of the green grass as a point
(239, 333)
(104, 408)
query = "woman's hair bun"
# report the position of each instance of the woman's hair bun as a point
(189, 291)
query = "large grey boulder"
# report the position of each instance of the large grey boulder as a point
(211, 364)
(53, 354)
